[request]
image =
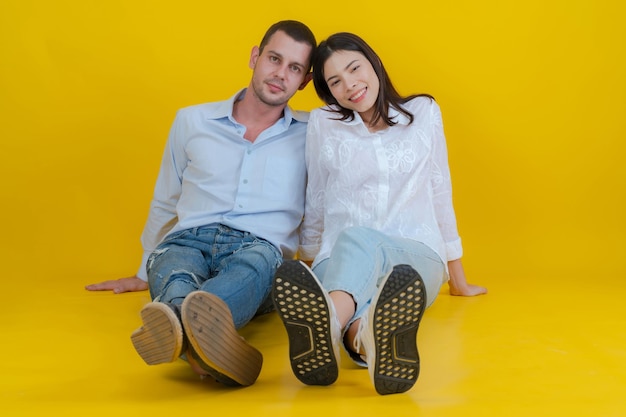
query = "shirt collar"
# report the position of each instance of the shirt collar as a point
(225, 109)
(394, 114)
(400, 118)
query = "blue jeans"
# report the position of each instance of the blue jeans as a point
(236, 266)
(362, 257)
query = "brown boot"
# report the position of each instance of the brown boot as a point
(160, 339)
(215, 343)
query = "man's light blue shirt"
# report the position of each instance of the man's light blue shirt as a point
(210, 174)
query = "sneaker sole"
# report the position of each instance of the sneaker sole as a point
(160, 338)
(395, 320)
(221, 351)
(302, 306)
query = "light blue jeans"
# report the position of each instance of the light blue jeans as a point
(236, 266)
(362, 257)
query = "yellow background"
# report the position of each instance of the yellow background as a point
(533, 98)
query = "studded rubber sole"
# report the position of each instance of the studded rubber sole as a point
(394, 319)
(304, 309)
(160, 338)
(217, 346)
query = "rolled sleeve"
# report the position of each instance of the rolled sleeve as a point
(454, 250)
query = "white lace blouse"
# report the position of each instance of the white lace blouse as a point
(396, 181)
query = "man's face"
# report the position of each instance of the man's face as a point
(280, 70)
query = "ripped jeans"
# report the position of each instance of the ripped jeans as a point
(236, 266)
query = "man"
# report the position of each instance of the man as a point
(227, 205)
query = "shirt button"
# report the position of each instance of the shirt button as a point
(245, 181)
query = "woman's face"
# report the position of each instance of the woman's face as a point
(352, 81)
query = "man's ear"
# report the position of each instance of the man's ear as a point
(254, 55)
(307, 78)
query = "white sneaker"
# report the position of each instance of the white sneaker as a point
(388, 332)
(312, 326)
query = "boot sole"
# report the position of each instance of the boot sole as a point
(303, 308)
(160, 338)
(395, 321)
(221, 351)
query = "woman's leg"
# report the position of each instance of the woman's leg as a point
(363, 257)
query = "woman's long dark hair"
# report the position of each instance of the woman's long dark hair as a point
(388, 96)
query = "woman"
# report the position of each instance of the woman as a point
(379, 224)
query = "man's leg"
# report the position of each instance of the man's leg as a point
(242, 275)
(174, 270)
(243, 268)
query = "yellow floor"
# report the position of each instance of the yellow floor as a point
(534, 346)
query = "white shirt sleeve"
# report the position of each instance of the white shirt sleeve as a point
(442, 189)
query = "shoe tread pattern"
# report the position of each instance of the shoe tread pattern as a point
(160, 338)
(301, 305)
(396, 319)
(220, 349)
